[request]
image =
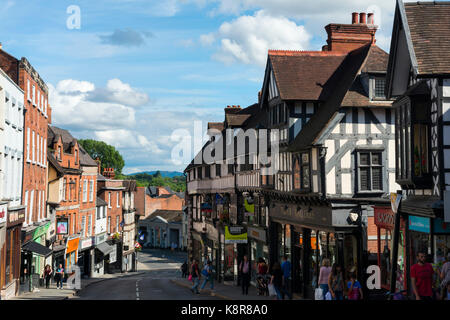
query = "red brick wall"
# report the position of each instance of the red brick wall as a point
(139, 201)
(88, 208)
(171, 203)
(112, 211)
(372, 231)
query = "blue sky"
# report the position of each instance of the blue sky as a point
(137, 70)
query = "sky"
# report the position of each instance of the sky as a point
(133, 72)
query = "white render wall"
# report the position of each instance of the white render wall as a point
(11, 140)
(446, 128)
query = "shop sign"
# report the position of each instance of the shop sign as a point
(235, 235)
(86, 243)
(39, 231)
(205, 207)
(257, 234)
(303, 214)
(384, 218)
(249, 207)
(219, 199)
(62, 226)
(419, 224)
(113, 255)
(100, 238)
(3, 213)
(72, 244)
(395, 201)
(440, 226)
(15, 217)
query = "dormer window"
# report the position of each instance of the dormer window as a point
(76, 156)
(377, 88)
(59, 153)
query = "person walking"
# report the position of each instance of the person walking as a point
(208, 273)
(286, 268)
(261, 277)
(277, 280)
(422, 278)
(245, 270)
(195, 276)
(336, 282)
(184, 269)
(59, 277)
(47, 275)
(354, 287)
(445, 277)
(324, 274)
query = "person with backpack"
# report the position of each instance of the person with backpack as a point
(208, 273)
(354, 287)
(195, 277)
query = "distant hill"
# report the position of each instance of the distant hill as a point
(164, 174)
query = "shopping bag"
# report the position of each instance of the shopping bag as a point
(328, 296)
(318, 294)
(190, 277)
(272, 291)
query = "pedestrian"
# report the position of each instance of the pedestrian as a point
(286, 268)
(445, 276)
(324, 274)
(59, 277)
(422, 278)
(336, 282)
(447, 291)
(184, 269)
(354, 287)
(208, 273)
(47, 275)
(245, 270)
(261, 277)
(277, 280)
(195, 276)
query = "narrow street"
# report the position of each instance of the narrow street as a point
(160, 267)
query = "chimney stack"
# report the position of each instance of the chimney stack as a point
(355, 17)
(363, 18)
(370, 19)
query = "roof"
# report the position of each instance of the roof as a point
(429, 26)
(100, 178)
(304, 75)
(100, 202)
(61, 170)
(168, 215)
(236, 119)
(377, 61)
(216, 125)
(37, 248)
(339, 84)
(129, 185)
(67, 139)
(85, 158)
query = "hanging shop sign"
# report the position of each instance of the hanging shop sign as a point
(62, 226)
(15, 217)
(3, 213)
(395, 201)
(384, 217)
(249, 207)
(258, 234)
(419, 224)
(235, 235)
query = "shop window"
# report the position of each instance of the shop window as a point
(218, 173)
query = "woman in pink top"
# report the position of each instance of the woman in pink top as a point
(325, 271)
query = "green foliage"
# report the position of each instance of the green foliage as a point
(108, 155)
(177, 184)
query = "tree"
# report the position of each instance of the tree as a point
(108, 155)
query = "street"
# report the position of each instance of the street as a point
(160, 267)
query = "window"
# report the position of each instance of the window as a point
(379, 88)
(39, 99)
(117, 223)
(301, 171)
(33, 148)
(27, 211)
(28, 144)
(28, 90)
(45, 152)
(118, 199)
(208, 172)
(98, 213)
(370, 171)
(85, 185)
(64, 189)
(83, 224)
(91, 191)
(199, 172)
(109, 199)
(218, 173)
(59, 153)
(76, 156)
(38, 142)
(34, 95)
(231, 168)
(109, 224)
(104, 212)
(89, 225)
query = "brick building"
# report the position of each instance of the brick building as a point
(159, 198)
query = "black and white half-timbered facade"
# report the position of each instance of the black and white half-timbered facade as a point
(419, 81)
(337, 150)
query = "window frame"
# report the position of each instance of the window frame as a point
(299, 173)
(370, 151)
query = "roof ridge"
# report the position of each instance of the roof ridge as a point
(428, 3)
(306, 52)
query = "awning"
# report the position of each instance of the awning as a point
(422, 206)
(37, 248)
(105, 248)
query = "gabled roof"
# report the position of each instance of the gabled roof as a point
(85, 158)
(100, 202)
(340, 82)
(304, 75)
(129, 185)
(429, 26)
(168, 215)
(67, 139)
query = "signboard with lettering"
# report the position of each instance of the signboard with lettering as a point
(419, 224)
(86, 243)
(15, 217)
(384, 217)
(249, 207)
(298, 214)
(258, 234)
(235, 235)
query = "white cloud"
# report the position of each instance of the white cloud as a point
(247, 38)
(127, 139)
(119, 92)
(71, 86)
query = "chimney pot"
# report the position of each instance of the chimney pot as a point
(363, 18)
(370, 18)
(355, 17)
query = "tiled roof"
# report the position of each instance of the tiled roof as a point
(168, 215)
(216, 125)
(130, 185)
(236, 119)
(85, 158)
(429, 26)
(55, 132)
(100, 202)
(304, 75)
(377, 60)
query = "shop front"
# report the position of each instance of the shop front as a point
(71, 252)
(198, 246)
(235, 247)
(3, 216)
(212, 247)
(101, 252)
(258, 248)
(10, 267)
(85, 256)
